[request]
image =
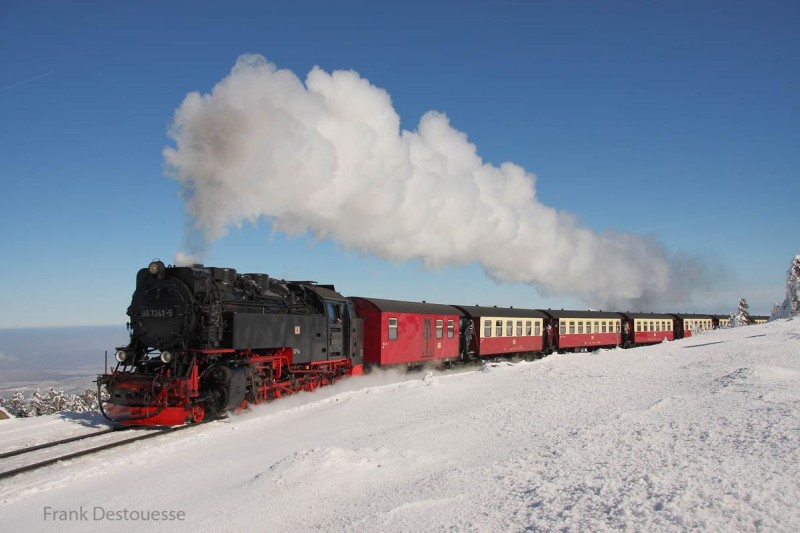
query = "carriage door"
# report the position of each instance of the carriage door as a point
(427, 338)
(335, 311)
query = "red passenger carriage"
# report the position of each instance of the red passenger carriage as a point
(688, 323)
(407, 333)
(504, 331)
(577, 330)
(648, 328)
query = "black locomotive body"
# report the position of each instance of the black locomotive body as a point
(204, 340)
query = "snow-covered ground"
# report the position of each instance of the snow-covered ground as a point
(702, 433)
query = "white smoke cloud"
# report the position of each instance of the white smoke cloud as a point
(328, 156)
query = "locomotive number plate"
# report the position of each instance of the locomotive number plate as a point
(157, 313)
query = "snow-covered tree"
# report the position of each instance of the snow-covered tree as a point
(53, 401)
(741, 317)
(791, 305)
(36, 404)
(87, 401)
(17, 406)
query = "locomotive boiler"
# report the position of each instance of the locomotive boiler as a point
(207, 340)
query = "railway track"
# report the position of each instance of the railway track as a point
(42, 455)
(30, 449)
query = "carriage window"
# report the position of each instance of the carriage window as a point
(580, 326)
(571, 327)
(450, 329)
(638, 326)
(597, 326)
(538, 329)
(498, 328)
(605, 327)
(487, 328)
(509, 328)
(669, 326)
(528, 328)
(618, 326)
(563, 327)
(439, 328)
(519, 328)
(392, 329)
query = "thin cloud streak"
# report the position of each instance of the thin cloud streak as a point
(40, 76)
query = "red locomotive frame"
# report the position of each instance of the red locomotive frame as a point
(172, 400)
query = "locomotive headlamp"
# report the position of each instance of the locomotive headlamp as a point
(166, 357)
(156, 267)
(120, 356)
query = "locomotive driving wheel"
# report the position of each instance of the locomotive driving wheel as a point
(214, 387)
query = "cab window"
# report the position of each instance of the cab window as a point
(392, 329)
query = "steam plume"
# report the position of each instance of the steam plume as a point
(328, 156)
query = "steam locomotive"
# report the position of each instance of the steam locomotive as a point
(207, 340)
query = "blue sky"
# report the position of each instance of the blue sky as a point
(672, 119)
